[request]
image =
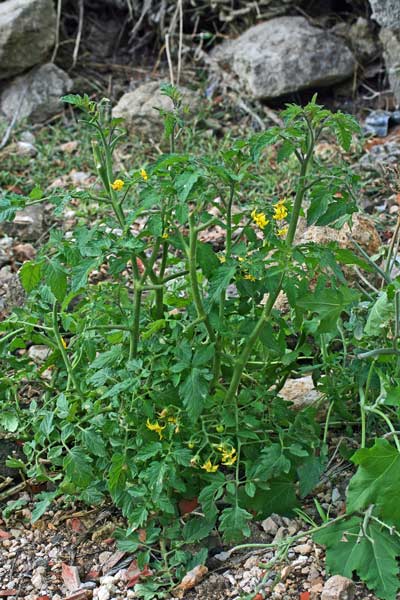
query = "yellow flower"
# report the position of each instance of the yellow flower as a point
(280, 211)
(209, 467)
(117, 185)
(241, 259)
(250, 277)
(283, 231)
(229, 461)
(143, 175)
(221, 258)
(155, 427)
(165, 235)
(64, 343)
(259, 219)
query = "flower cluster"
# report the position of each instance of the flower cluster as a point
(228, 458)
(155, 427)
(259, 219)
(280, 211)
(117, 185)
(144, 175)
(209, 467)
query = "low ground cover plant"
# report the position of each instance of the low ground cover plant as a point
(166, 355)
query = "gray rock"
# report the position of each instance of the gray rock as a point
(363, 41)
(27, 33)
(27, 225)
(390, 39)
(36, 95)
(26, 149)
(338, 588)
(38, 353)
(386, 12)
(11, 291)
(139, 108)
(284, 55)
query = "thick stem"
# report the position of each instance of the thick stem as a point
(228, 251)
(197, 299)
(63, 351)
(252, 339)
(134, 340)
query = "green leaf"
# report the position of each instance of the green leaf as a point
(41, 507)
(9, 421)
(380, 315)
(207, 258)
(118, 473)
(47, 425)
(234, 523)
(309, 472)
(220, 280)
(377, 481)
(185, 182)
(371, 551)
(108, 358)
(196, 529)
(329, 304)
(193, 392)
(30, 275)
(94, 442)
(56, 278)
(36, 193)
(78, 467)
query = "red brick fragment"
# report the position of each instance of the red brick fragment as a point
(133, 574)
(70, 575)
(4, 535)
(12, 592)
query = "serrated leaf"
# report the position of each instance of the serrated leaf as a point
(234, 523)
(371, 551)
(9, 421)
(56, 278)
(30, 275)
(196, 529)
(377, 481)
(108, 358)
(193, 392)
(94, 442)
(220, 280)
(379, 316)
(78, 467)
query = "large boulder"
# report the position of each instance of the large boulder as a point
(35, 95)
(390, 39)
(27, 33)
(140, 108)
(284, 55)
(386, 13)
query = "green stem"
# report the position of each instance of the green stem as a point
(198, 302)
(222, 299)
(388, 423)
(63, 351)
(252, 339)
(134, 340)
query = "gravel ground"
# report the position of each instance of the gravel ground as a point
(71, 554)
